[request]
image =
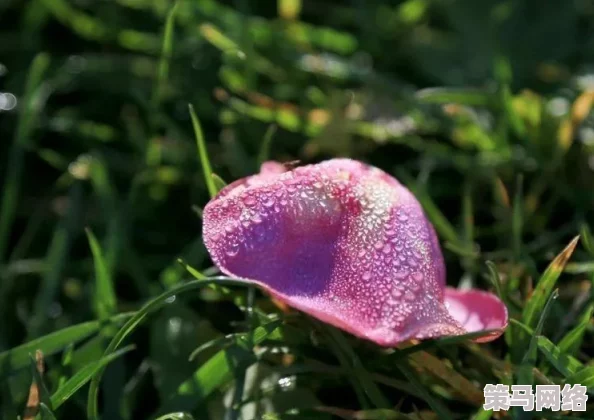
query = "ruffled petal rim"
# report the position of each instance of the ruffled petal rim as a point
(477, 310)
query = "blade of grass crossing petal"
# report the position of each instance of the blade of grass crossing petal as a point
(18, 357)
(584, 377)
(131, 325)
(545, 285)
(24, 129)
(46, 413)
(441, 411)
(564, 363)
(203, 154)
(166, 54)
(104, 297)
(84, 375)
(264, 154)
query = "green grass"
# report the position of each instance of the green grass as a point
(131, 115)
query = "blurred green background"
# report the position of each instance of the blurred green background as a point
(482, 108)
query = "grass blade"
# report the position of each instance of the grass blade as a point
(218, 370)
(564, 363)
(25, 125)
(133, 323)
(436, 367)
(57, 256)
(104, 298)
(202, 153)
(264, 154)
(412, 377)
(572, 341)
(166, 54)
(80, 378)
(584, 376)
(18, 357)
(545, 285)
(362, 375)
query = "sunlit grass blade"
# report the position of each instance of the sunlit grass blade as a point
(219, 182)
(80, 378)
(412, 377)
(545, 285)
(104, 297)
(584, 377)
(133, 323)
(564, 363)
(25, 124)
(166, 54)
(203, 153)
(195, 273)
(18, 357)
(217, 371)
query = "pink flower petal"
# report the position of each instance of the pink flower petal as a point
(341, 241)
(476, 310)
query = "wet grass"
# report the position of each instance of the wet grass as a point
(125, 109)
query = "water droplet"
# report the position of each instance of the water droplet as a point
(367, 276)
(379, 245)
(418, 276)
(408, 295)
(249, 200)
(386, 249)
(232, 250)
(403, 217)
(400, 275)
(268, 201)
